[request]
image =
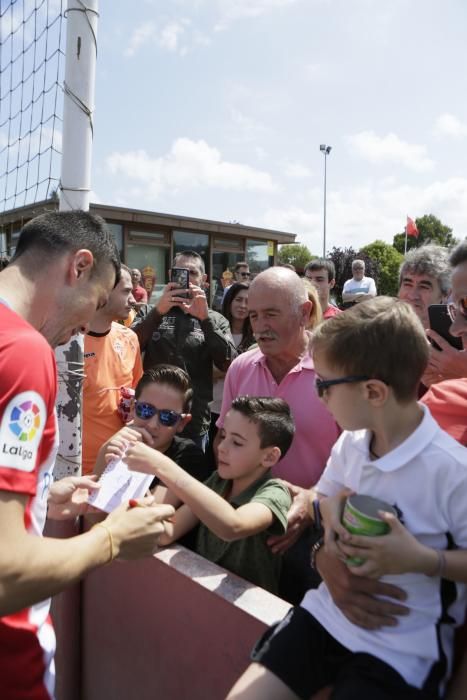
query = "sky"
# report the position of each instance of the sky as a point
(217, 108)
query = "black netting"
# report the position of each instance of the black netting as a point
(32, 40)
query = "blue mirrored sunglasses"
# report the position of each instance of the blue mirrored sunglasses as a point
(323, 384)
(146, 411)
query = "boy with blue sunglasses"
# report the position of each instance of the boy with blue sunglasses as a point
(160, 411)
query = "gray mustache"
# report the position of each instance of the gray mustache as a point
(265, 336)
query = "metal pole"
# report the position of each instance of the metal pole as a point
(80, 72)
(324, 221)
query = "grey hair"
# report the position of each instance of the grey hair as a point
(459, 254)
(431, 260)
(358, 263)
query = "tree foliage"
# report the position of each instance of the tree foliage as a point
(431, 230)
(389, 261)
(295, 254)
(342, 259)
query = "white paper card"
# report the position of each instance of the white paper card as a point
(119, 484)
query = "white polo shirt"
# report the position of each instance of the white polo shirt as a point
(426, 479)
(366, 285)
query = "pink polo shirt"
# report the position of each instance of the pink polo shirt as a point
(315, 429)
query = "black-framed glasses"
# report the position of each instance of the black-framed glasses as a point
(167, 418)
(244, 274)
(460, 307)
(323, 384)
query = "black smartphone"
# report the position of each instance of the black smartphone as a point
(181, 277)
(440, 321)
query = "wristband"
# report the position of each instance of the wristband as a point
(441, 566)
(314, 551)
(111, 542)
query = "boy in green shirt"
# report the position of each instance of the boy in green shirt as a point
(240, 505)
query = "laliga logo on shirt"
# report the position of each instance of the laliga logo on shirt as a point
(21, 428)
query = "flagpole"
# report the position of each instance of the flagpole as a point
(405, 247)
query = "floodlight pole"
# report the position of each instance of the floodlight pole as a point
(326, 151)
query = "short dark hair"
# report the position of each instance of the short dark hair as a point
(276, 426)
(242, 263)
(171, 375)
(459, 254)
(381, 338)
(57, 232)
(322, 264)
(190, 254)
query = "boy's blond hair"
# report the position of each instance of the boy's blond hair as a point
(380, 338)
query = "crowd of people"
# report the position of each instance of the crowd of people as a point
(256, 423)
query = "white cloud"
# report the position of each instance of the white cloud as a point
(297, 171)
(390, 149)
(188, 165)
(167, 38)
(233, 10)
(358, 215)
(449, 125)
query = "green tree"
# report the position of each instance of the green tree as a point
(389, 260)
(430, 230)
(295, 254)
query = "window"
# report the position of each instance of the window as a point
(199, 242)
(258, 256)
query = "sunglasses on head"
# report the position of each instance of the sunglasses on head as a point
(459, 308)
(146, 411)
(323, 384)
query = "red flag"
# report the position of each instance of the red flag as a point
(411, 227)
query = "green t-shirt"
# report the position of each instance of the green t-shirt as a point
(250, 557)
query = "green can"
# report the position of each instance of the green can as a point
(360, 517)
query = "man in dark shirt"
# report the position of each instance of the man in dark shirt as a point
(181, 330)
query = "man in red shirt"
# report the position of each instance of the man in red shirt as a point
(76, 251)
(139, 293)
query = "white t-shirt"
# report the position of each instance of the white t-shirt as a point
(426, 478)
(365, 286)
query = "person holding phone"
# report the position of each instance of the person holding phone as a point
(182, 330)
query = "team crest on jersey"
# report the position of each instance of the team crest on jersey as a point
(21, 428)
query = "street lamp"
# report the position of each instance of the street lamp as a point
(326, 150)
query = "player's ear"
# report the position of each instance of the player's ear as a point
(80, 264)
(376, 391)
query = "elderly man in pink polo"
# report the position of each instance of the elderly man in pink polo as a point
(281, 366)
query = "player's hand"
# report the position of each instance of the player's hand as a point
(357, 597)
(172, 295)
(298, 519)
(135, 531)
(68, 497)
(197, 306)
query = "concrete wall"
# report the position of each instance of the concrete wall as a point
(170, 627)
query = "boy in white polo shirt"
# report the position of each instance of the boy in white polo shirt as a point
(370, 361)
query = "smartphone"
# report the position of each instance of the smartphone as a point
(181, 277)
(440, 321)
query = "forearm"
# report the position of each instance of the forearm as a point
(36, 568)
(451, 565)
(146, 327)
(208, 506)
(220, 344)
